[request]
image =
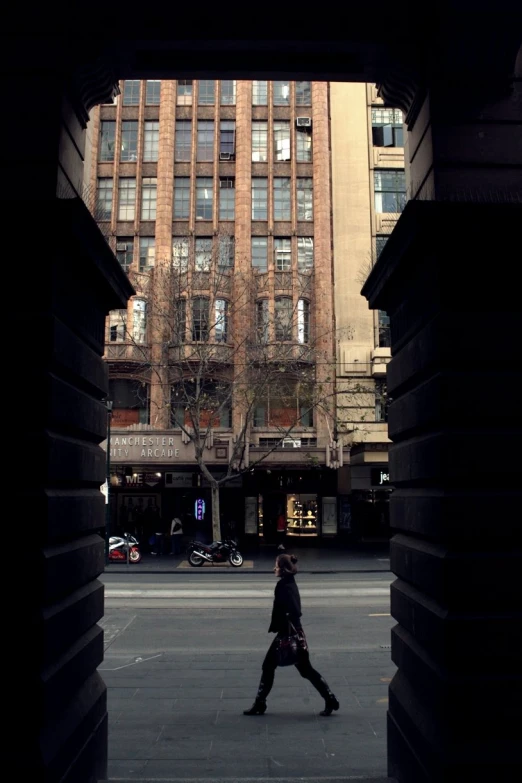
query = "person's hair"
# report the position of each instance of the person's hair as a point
(287, 564)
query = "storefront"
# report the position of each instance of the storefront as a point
(365, 500)
(296, 504)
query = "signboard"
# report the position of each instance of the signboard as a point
(380, 478)
(199, 509)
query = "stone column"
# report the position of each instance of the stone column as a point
(454, 419)
(63, 294)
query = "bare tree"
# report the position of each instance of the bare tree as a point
(221, 357)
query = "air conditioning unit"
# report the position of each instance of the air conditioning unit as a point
(303, 122)
(225, 156)
(121, 247)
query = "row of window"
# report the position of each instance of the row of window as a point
(208, 89)
(203, 248)
(208, 320)
(204, 198)
(282, 141)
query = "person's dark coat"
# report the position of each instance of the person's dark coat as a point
(287, 605)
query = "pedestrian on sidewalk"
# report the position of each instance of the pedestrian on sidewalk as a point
(176, 531)
(281, 531)
(286, 610)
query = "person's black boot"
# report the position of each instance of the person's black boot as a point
(330, 704)
(257, 708)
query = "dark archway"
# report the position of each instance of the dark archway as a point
(453, 712)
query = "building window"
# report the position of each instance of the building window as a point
(380, 241)
(117, 326)
(303, 321)
(259, 93)
(281, 93)
(107, 136)
(204, 199)
(387, 127)
(228, 92)
(283, 255)
(181, 197)
(147, 253)
(207, 88)
(200, 312)
(305, 254)
(205, 140)
(151, 141)
(221, 320)
(127, 198)
(179, 332)
(129, 141)
(183, 143)
(390, 190)
(305, 198)
(384, 330)
(131, 92)
(260, 254)
(227, 139)
(125, 252)
(149, 189)
(180, 254)
(303, 93)
(227, 198)
(152, 92)
(203, 254)
(139, 321)
(259, 198)
(259, 142)
(304, 145)
(381, 401)
(283, 318)
(262, 321)
(104, 198)
(282, 140)
(184, 92)
(282, 199)
(226, 253)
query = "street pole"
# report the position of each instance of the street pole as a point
(108, 404)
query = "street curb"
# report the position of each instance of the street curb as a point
(251, 572)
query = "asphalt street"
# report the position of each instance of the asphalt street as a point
(182, 662)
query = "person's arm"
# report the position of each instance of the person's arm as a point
(172, 526)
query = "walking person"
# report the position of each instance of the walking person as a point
(287, 609)
(176, 531)
(281, 531)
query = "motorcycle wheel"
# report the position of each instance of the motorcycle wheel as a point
(134, 555)
(195, 559)
(236, 559)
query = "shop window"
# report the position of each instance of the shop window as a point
(302, 516)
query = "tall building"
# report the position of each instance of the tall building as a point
(274, 194)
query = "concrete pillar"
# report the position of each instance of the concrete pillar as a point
(63, 293)
(454, 419)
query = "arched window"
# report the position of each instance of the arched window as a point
(283, 318)
(303, 321)
(139, 321)
(262, 320)
(221, 320)
(200, 313)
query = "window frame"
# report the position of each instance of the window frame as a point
(256, 199)
(307, 199)
(129, 135)
(129, 206)
(131, 99)
(150, 141)
(106, 140)
(282, 198)
(181, 198)
(201, 334)
(205, 204)
(149, 198)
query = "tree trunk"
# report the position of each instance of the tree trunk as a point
(216, 525)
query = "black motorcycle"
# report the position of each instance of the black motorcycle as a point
(217, 552)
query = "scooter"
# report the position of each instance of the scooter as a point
(217, 552)
(118, 549)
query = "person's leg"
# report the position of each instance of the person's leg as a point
(265, 684)
(306, 670)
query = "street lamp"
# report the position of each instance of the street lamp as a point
(108, 404)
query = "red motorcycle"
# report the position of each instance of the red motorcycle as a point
(118, 546)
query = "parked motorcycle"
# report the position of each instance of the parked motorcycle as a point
(217, 552)
(118, 549)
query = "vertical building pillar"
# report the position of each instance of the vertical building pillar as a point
(454, 421)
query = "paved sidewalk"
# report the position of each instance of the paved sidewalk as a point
(311, 560)
(179, 715)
